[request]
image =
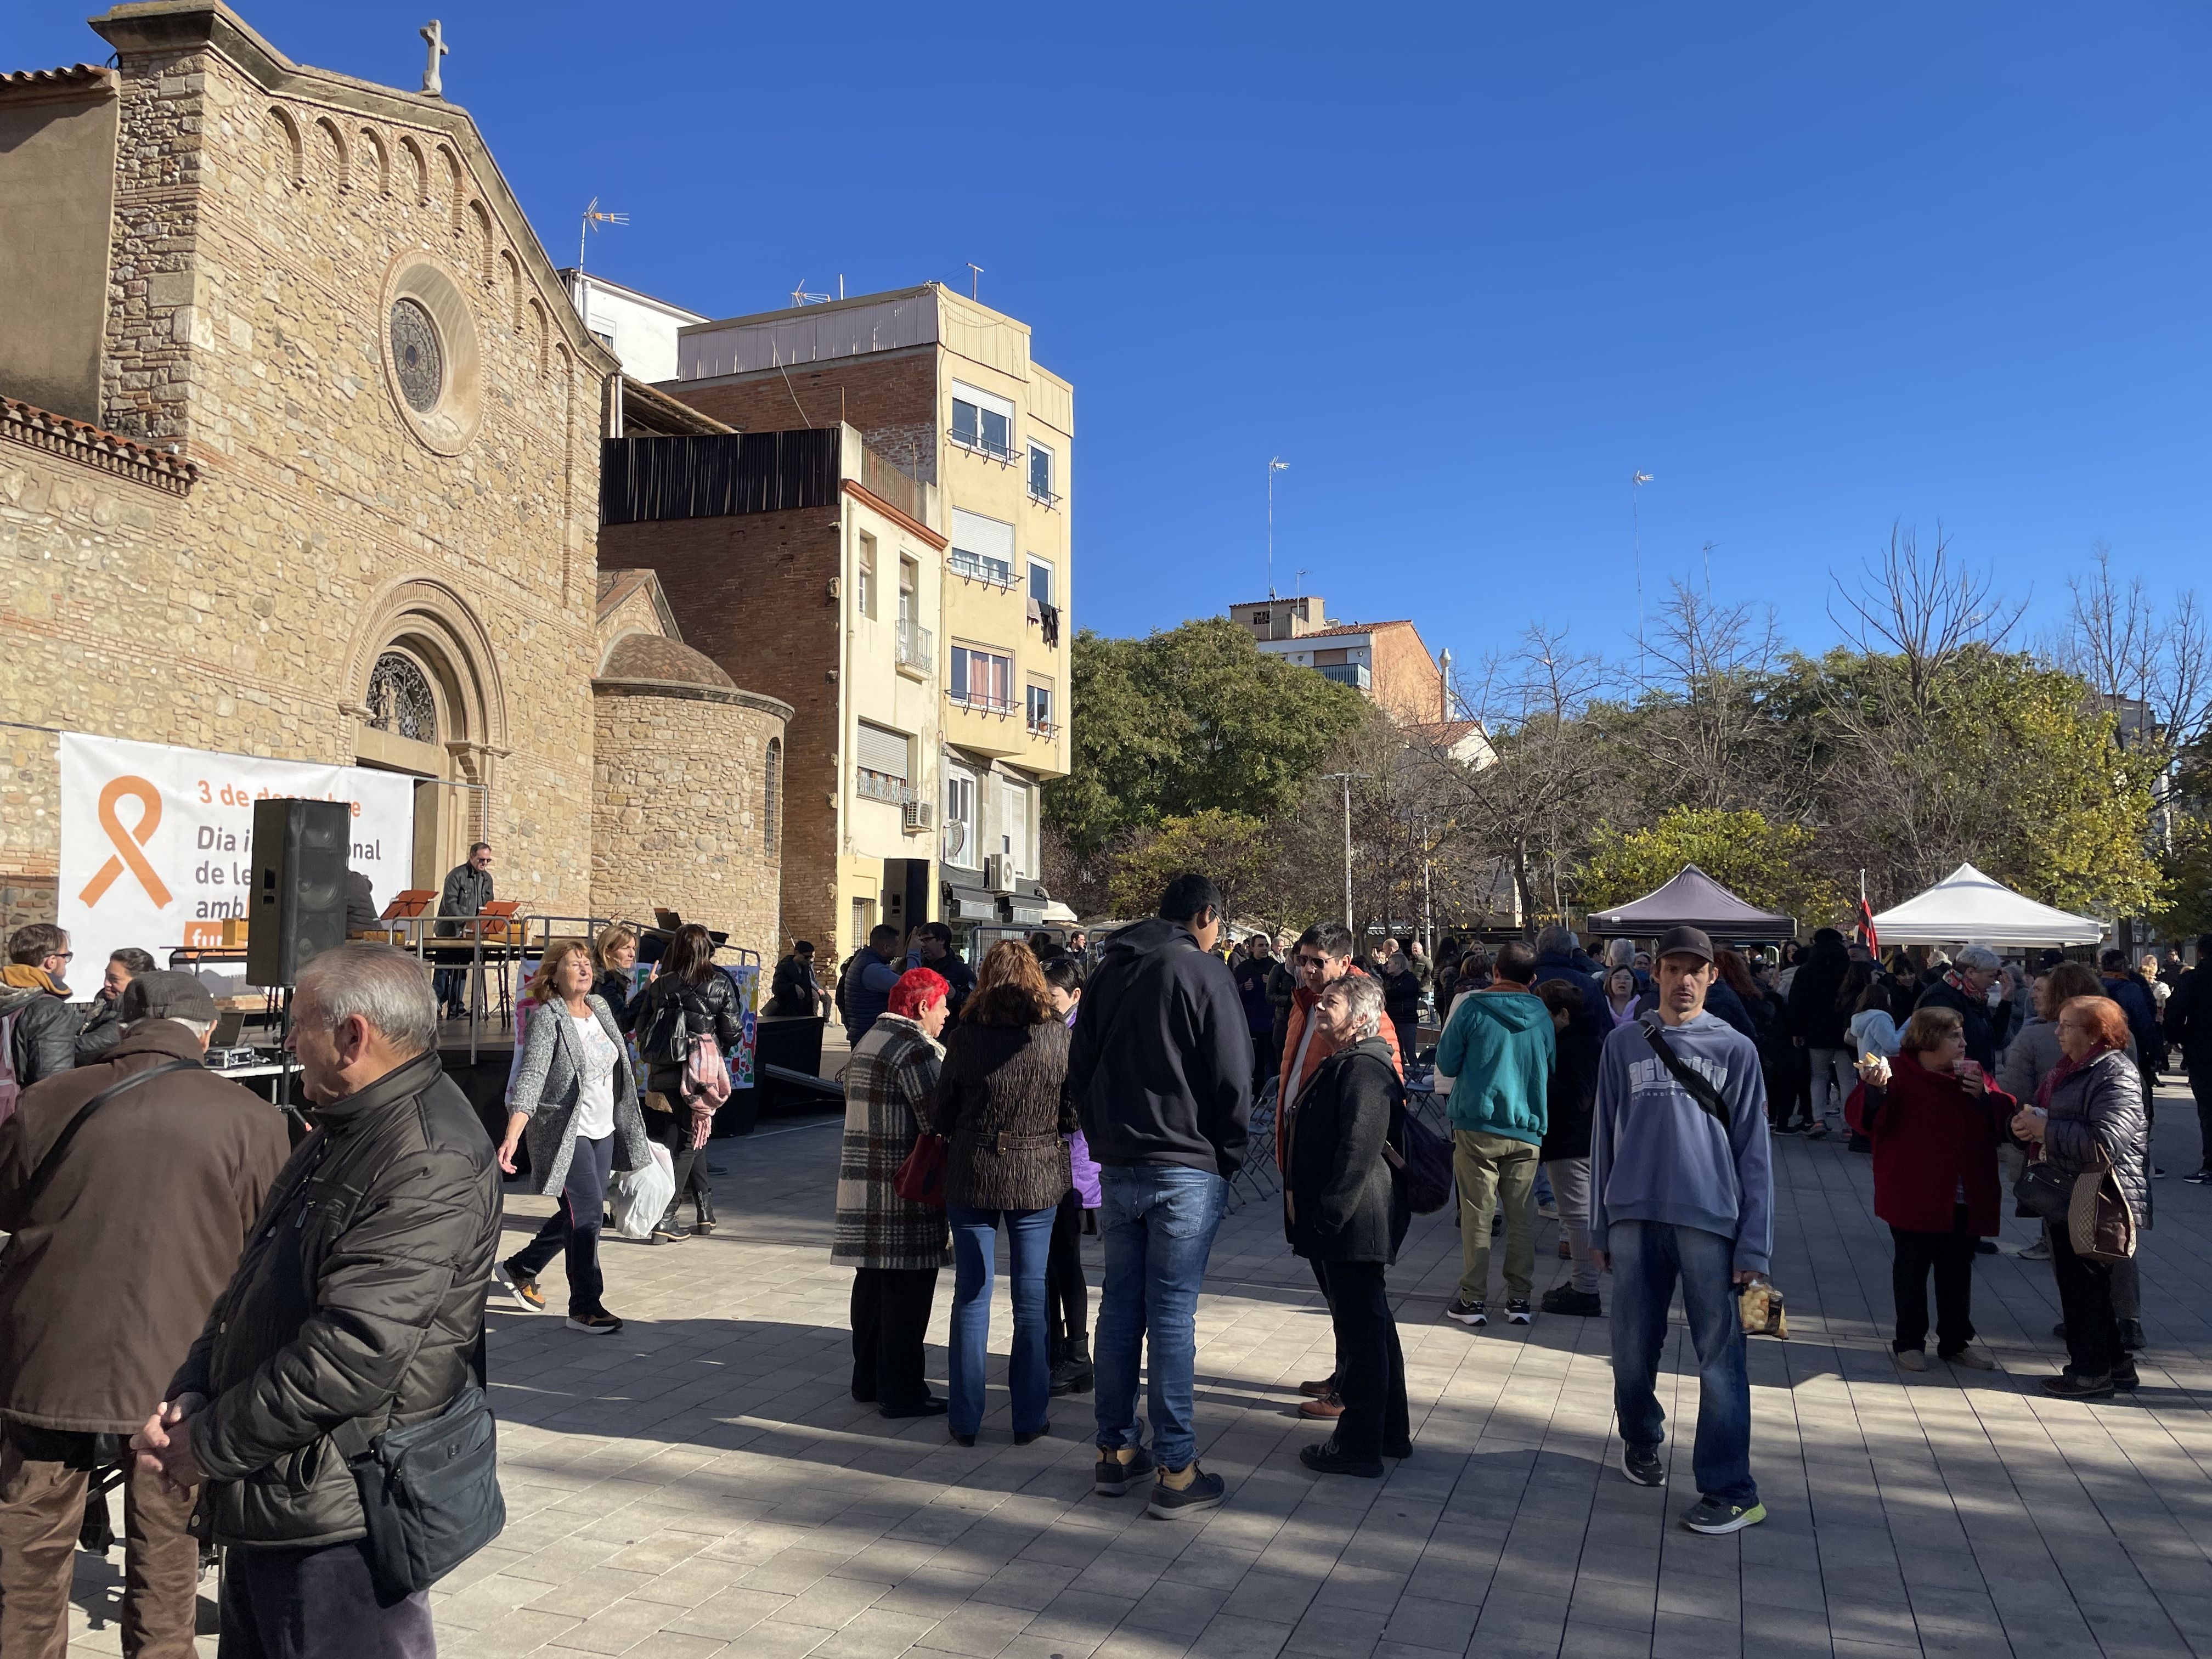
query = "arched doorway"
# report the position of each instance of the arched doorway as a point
(428, 702)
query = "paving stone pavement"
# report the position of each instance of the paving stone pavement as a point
(703, 1484)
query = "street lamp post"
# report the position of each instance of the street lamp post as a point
(1346, 778)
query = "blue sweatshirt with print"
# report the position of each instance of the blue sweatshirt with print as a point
(1657, 1155)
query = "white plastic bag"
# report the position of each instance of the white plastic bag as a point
(641, 1197)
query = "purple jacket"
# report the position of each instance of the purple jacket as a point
(1080, 1162)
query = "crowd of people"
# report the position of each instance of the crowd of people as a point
(1635, 1098)
(260, 1300)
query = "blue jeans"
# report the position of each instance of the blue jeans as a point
(1028, 1374)
(1158, 1223)
(574, 1226)
(1647, 1258)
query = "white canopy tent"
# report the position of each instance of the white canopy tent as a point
(1967, 907)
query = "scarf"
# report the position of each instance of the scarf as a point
(2065, 1068)
(22, 977)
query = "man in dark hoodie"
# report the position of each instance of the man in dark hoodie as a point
(1161, 1070)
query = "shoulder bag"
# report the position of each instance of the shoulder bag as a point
(429, 1492)
(1700, 1086)
(921, 1179)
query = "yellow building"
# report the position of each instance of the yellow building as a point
(946, 389)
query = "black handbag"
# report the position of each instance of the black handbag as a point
(2042, 1191)
(429, 1492)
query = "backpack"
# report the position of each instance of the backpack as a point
(1420, 1162)
(665, 1039)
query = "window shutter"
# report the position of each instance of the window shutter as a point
(883, 750)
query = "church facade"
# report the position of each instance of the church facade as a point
(299, 457)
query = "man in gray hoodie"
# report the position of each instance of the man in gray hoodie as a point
(1682, 1189)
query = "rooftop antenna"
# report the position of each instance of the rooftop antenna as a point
(1709, 546)
(1298, 592)
(974, 271)
(841, 284)
(592, 220)
(1636, 480)
(799, 296)
(1278, 465)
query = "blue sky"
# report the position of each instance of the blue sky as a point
(1467, 268)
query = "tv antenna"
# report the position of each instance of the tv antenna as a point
(592, 220)
(799, 296)
(974, 271)
(1636, 480)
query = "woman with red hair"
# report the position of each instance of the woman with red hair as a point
(896, 1245)
(2089, 1113)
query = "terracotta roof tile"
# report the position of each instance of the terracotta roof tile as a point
(82, 73)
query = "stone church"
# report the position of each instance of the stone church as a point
(300, 458)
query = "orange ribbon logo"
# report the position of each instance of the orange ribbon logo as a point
(129, 843)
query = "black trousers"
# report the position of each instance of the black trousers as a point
(890, 1316)
(1370, 1367)
(1320, 1278)
(673, 1131)
(1952, 1256)
(1066, 1292)
(2200, 1084)
(2085, 1297)
(316, 1603)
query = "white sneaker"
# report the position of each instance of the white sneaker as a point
(2039, 1251)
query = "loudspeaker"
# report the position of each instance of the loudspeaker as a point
(297, 910)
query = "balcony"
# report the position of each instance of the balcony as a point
(980, 702)
(995, 573)
(1049, 730)
(999, 445)
(881, 785)
(1348, 673)
(917, 647)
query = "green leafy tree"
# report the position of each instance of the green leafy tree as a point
(1769, 865)
(1185, 720)
(1230, 847)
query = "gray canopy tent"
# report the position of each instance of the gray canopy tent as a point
(1693, 899)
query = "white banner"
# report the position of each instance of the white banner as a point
(157, 843)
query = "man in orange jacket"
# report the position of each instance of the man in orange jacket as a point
(1321, 956)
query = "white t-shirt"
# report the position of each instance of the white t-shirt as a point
(595, 1101)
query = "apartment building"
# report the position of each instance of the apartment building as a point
(946, 391)
(809, 569)
(1385, 660)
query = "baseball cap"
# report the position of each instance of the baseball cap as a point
(164, 995)
(1685, 942)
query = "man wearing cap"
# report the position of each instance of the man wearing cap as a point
(1682, 1190)
(121, 1245)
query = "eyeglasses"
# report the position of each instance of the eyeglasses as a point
(1308, 964)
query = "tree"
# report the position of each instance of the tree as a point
(1228, 848)
(1768, 864)
(1191, 718)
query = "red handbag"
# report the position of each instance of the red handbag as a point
(921, 1179)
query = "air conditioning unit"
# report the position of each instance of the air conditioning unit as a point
(918, 817)
(998, 873)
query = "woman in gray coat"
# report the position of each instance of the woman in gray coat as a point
(573, 1096)
(2089, 1113)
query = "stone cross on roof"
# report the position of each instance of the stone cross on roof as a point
(432, 85)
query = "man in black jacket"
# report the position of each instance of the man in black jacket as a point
(468, 888)
(1964, 989)
(359, 1300)
(35, 1021)
(2188, 1028)
(1161, 1071)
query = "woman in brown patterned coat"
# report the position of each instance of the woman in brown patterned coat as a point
(897, 1246)
(1002, 1101)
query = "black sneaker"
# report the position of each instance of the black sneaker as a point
(1329, 1458)
(929, 1405)
(522, 1287)
(1566, 1299)
(2157, 1174)
(2200, 1178)
(1517, 1311)
(1112, 1477)
(2069, 1385)
(1469, 1313)
(601, 1323)
(1715, 1517)
(2124, 1376)
(1641, 1464)
(1206, 1491)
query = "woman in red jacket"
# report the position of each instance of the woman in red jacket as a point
(1936, 1122)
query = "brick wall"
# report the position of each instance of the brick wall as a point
(891, 397)
(752, 593)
